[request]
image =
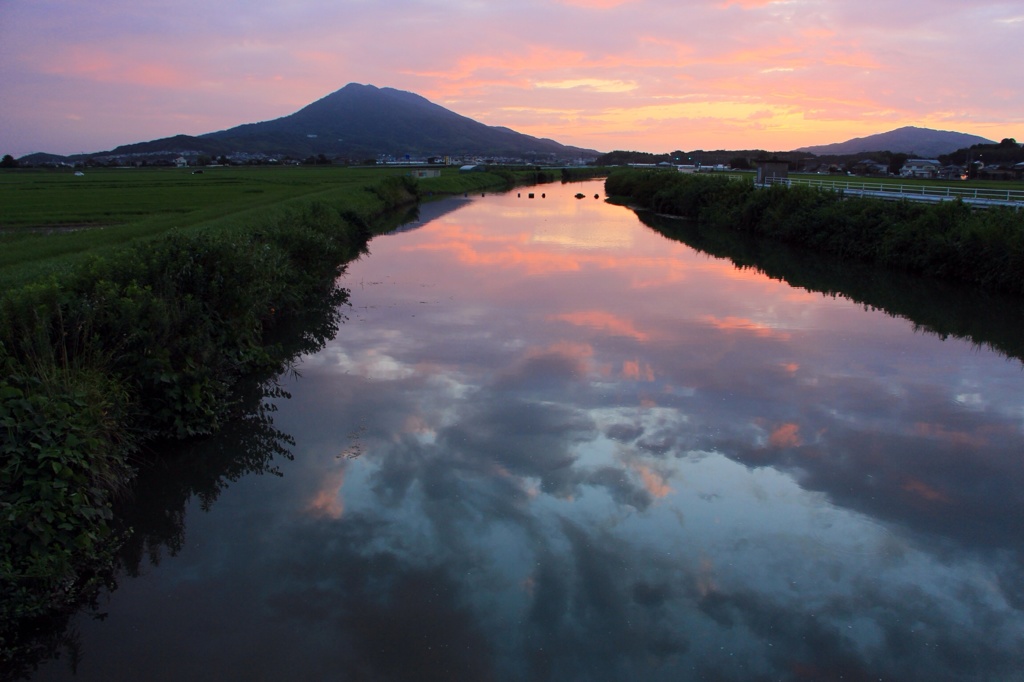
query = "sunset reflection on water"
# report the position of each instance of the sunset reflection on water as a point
(586, 451)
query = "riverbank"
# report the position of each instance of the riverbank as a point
(949, 241)
(128, 342)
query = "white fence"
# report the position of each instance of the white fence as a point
(980, 197)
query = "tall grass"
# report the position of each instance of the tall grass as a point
(143, 340)
(947, 240)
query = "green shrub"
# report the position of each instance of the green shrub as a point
(63, 454)
(948, 240)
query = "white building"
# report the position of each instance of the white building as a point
(921, 168)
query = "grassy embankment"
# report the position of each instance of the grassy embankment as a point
(949, 240)
(133, 301)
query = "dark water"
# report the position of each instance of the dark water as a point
(550, 443)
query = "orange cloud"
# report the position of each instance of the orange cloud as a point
(653, 482)
(581, 352)
(785, 436)
(327, 502)
(733, 324)
(96, 65)
(600, 319)
(632, 369)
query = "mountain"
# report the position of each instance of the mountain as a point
(363, 121)
(918, 142)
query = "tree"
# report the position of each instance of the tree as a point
(896, 162)
(8, 162)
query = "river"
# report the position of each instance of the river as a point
(550, 443)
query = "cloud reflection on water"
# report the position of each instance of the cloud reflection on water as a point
(655, 464)
(625, 462)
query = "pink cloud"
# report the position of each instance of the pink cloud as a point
(643, 74)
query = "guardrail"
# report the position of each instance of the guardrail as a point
(981, 197)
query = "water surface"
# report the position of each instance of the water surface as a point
(550, 443)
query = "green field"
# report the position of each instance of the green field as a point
(51, 219)
(140, 305)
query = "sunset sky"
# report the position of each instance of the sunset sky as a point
(649, 75)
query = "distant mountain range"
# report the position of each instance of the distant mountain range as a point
(918, 142)
(363, 121)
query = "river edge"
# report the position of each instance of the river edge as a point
(948, 241)
(149, 344)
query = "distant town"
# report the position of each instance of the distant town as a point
(1003, 162)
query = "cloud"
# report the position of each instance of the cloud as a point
(605, 321)
(594, 84)
(327, 502)
(825, 69)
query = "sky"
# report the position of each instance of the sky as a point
(646, 75)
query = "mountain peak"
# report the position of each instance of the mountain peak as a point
(364, 120)
(913, 140)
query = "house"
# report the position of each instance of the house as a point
(870, 167)
(920, 168)
(997, 171)
(181, 162)
(425, 172)
(952, 172)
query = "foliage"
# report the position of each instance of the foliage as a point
(53, 221)
(935, 306)
(583, 173)
(947, 240)
(622, 158)
(145, 341)
(63, 455)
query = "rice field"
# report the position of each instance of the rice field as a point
(50, 219)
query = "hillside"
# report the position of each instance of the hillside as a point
(918, 142)
(358, 122)
(363, 119)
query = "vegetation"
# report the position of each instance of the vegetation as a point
(142, 331)
(48, 219)
(1008, 150)
(943, 308)
(981, 161)
(947, 240)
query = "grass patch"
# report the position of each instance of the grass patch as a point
(143, 329)
(51, 220)
(947, 241)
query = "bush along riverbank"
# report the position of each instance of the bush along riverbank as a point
(948, 240)
(944, 308)
(145, 343)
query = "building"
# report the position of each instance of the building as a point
(921, 168)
